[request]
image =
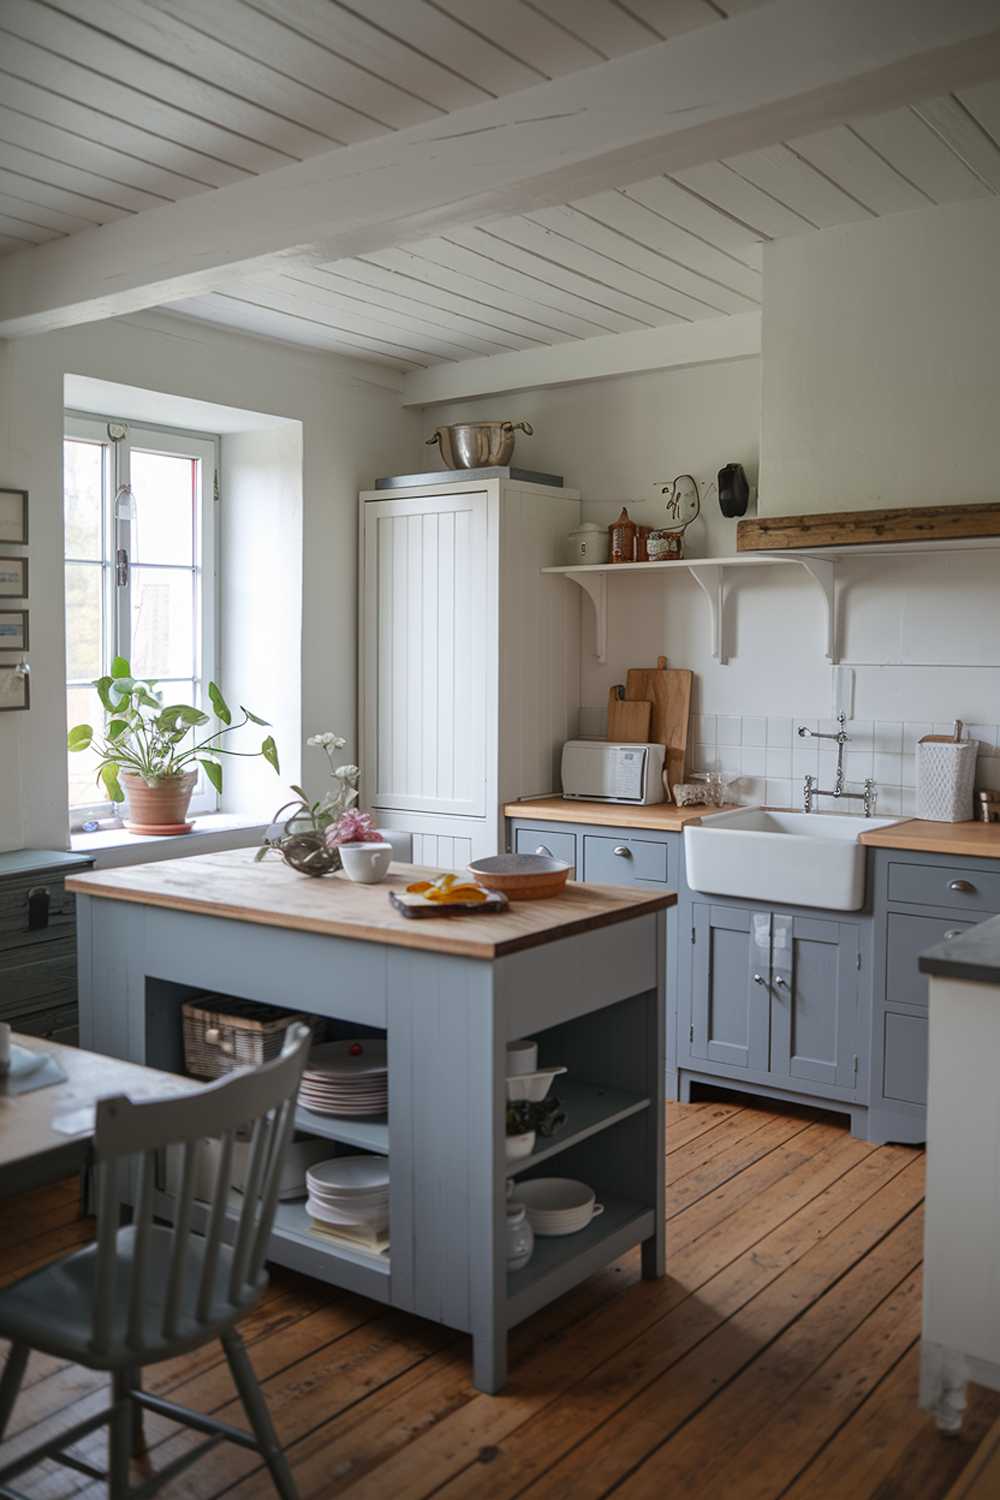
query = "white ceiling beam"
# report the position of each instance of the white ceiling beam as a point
(781, 70)
(681, 344)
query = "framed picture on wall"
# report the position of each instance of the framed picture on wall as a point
(14, 516)
(15, 690)
(13, 630)
(13, 578)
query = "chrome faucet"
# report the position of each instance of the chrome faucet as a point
(809, 788)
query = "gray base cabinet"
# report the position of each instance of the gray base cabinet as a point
(38, 942)
(794, 1004)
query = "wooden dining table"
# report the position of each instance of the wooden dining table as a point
(33, 1150)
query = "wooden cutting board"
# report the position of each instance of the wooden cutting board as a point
(628, 720)
(669, 691)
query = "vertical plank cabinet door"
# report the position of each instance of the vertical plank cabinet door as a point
(729, 1000)
(430, 585)
(814, 1000)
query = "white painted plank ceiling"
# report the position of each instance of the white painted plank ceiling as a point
(109, 107)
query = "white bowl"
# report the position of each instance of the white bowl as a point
(366, 863)
(520, 1146)
(533, 1086)
(351, 1174)
(522, 1056)
(557, 1205)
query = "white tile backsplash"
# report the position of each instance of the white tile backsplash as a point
(754, 731)
(728, 729)
(752, 760)
(778, 763)
(779, 733)
(702, 729)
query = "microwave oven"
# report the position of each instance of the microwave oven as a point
(600, 771)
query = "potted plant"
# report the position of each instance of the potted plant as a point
(309, 835)
(527, 1119)
(150, 754)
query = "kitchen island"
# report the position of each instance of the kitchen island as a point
(583, 973)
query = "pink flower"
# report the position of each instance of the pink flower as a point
(352, 827)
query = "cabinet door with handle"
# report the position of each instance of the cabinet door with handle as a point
(815, 995)
(730, 1005)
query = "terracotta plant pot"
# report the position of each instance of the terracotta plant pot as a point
(158, 809)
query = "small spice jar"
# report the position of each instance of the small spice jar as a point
(665, 546)
(520, 1237)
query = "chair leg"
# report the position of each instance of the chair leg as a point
(119, 1443)
(10, 1382)
(258, 1415)
(124, 1382)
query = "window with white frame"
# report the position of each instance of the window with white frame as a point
(140, 574)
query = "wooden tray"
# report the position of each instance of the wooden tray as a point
(495, 902)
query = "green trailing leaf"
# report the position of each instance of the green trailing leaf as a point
(180, 713)
(103, 686)
(120, 667)
(213, 771)
(269, 750)
(262, 853)
(116, 728)
(253, 717)
(109, 775)
(219, 704)
(141, 695)
(80, 738)
(300, 793)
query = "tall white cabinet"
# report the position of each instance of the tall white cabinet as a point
(469, 677)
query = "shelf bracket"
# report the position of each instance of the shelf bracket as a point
(712, 582)
(823, 572)
(595, 586)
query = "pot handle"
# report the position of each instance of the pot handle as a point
(524, 427)
(435, 439)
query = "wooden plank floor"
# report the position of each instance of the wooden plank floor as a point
(777, 1358)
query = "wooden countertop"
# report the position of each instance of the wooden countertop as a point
(231, 884)
(662, 815)
(972, 839)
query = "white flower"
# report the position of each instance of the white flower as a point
(347, 773)
(325, 739)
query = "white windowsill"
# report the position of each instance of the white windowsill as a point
(116, 846)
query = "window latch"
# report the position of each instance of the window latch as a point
(121, 567)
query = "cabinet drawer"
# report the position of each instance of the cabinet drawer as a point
(906, 938)
(23, 900)
(59, 1024)
(559, 845)
(616, 861)
(904, 1070)
(946, 885)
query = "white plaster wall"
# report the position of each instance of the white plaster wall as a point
(922, 632)
(260, 613)
(880, 362)
(352, 431)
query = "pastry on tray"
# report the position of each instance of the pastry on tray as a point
(447, 896)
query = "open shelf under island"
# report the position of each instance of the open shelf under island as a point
(583, 973)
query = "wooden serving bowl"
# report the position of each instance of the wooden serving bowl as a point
(522, 877)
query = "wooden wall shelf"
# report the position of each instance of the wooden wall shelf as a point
(906, 524)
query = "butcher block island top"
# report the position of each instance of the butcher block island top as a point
(233, 884)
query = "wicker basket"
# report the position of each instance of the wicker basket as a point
(221, 1034)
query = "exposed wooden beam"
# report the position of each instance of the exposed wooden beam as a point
(705, 342)
(777, 71)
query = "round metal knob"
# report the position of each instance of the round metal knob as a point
(624, 852)
(759, 979)
(961, 885)
(543, 849)
(953, 932)
(779, 979)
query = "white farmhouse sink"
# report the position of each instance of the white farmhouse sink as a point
(806, 859)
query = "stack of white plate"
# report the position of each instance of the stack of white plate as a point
(351, 1192)
(346, 1078)
(557, 1205)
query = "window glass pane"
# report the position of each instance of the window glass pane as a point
(84, 620)
(162, 622)
(83, 470)
(164, 489)
(84, 707)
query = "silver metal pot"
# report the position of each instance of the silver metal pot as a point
(478, 445)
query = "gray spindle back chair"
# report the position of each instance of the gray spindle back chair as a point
(154, 1289)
